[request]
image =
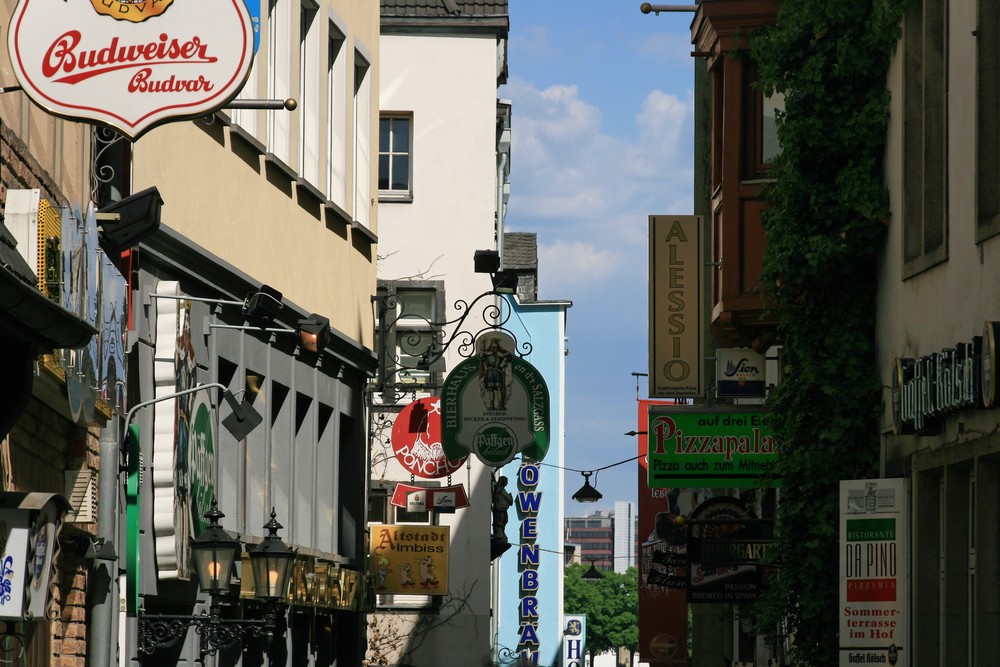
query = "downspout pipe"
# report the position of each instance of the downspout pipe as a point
(102, 649)
(501, 170)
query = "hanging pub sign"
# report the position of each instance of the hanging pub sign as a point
(676, 348)
(423, 498)
(131, 64)
(29, 530)
(711, 448)
(410, 559)
(727, 547)
(495, 405)
(739, 373)
(416, 440)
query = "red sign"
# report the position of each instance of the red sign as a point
(662, 570)
(416, 440)
(131, 64)
(423, 498)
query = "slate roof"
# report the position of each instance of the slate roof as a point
(520, 250)
(444, 8)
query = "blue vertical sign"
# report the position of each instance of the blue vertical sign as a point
(253, 6)
(574, 640)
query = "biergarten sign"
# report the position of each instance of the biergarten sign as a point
(495, 405)
(131, 64)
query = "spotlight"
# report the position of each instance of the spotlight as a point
(314, 332)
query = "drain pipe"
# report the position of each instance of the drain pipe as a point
(102, 649)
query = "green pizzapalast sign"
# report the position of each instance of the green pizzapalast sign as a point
(711, 448)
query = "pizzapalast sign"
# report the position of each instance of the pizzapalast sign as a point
(496, 405)
(131, 64)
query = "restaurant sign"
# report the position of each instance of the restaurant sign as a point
(131, 64)
(712, 448)
(496, 405)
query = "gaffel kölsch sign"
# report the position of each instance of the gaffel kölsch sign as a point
(928, 388)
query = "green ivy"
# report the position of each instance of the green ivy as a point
(826, 222)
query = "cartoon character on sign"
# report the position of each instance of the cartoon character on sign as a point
(416, 440)
(383, 572)
(425, 567)
(406, 576)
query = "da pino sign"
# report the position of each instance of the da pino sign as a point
(495, 405)
(131, 64)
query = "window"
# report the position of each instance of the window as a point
(395, 169)
(362, 140)
(411, 330)
(924, 137)
(279, 84)
(988, 120)
(381, 510)
(760, 128)
(336, 148)
(310, 81)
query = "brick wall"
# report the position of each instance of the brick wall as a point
(40, 447)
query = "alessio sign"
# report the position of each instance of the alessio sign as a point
(131, 64)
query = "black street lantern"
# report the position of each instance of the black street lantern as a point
(271, 561)
(214, 552)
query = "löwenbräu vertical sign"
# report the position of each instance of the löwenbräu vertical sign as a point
(873, 572)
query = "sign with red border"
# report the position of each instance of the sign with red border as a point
(131, 64)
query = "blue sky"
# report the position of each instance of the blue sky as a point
(601, 138)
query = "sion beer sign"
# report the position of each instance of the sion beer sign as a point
(131, 64)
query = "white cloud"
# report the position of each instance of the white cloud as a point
(586, 189)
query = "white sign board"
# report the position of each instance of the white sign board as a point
(874, 593)
(131, 64)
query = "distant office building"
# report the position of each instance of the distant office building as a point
(605, 538)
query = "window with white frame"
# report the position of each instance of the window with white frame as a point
(988, 120)
(382, 511)
(310, 106)
(395, 157)
(362, 140)
(279, 79)
(413, 332)
(925, 163)
(336, 102)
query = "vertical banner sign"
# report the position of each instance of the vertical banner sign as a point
(676, 363)
(874, 593)
(529, 501)
(574, 640)
(663, 619)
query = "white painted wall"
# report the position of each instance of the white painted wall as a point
(449, 85)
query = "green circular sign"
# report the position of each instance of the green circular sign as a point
(201, 466)
(495, 444)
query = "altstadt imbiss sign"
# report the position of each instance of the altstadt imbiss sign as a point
(131, 64)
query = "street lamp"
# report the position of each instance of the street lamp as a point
(593, 573)
(587, 493)
(214, 552)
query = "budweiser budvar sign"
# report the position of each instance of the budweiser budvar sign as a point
(131, 64)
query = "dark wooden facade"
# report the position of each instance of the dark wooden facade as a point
(720, 32)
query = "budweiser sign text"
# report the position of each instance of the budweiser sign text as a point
(186, 61)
